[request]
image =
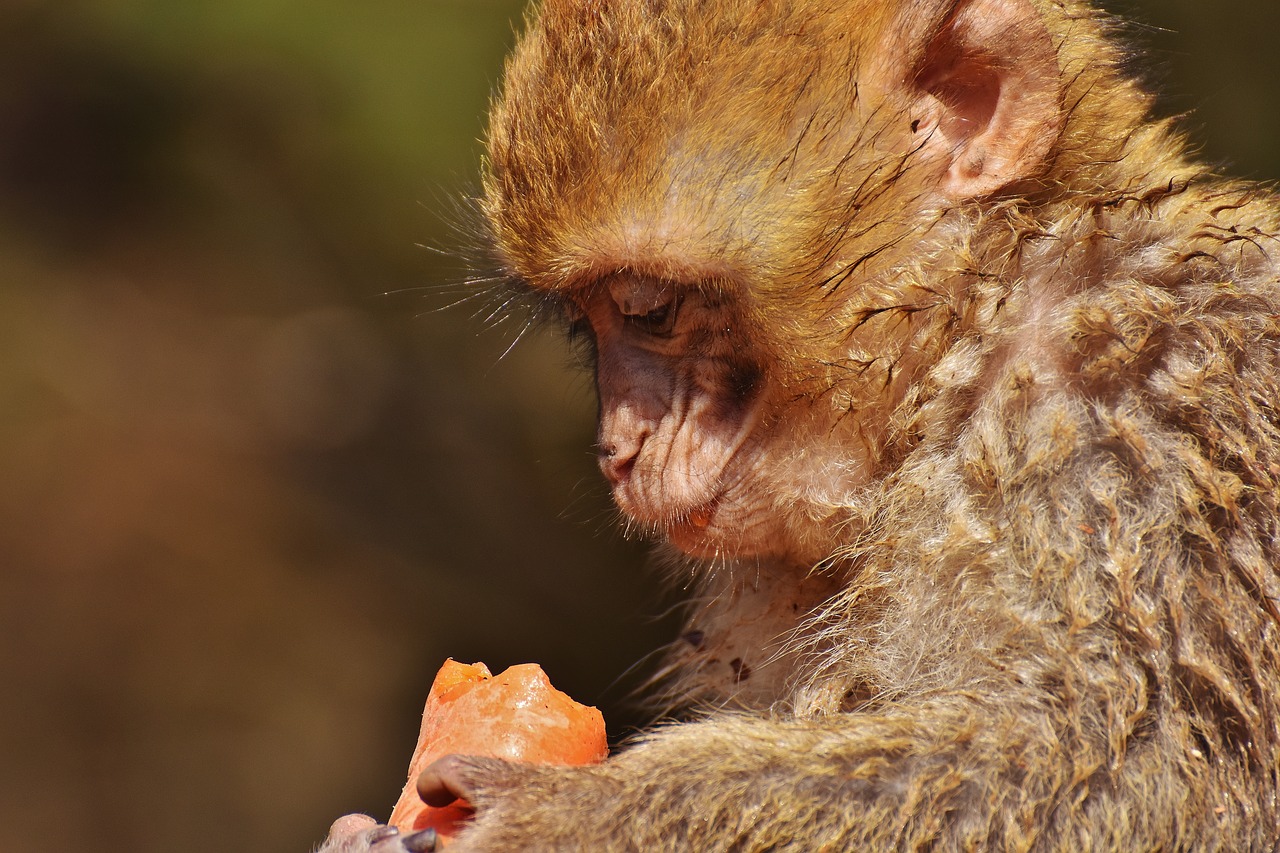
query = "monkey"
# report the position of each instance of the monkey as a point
(949, 380)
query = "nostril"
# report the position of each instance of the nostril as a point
(617, 463)
(622, 469)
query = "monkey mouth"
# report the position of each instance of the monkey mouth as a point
(691, 531)
(701, 517)
(697, 520)
(684, 519)
(663, 514)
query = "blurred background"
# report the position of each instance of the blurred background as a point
(263, 465)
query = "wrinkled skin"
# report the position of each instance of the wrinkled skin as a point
(950, 381)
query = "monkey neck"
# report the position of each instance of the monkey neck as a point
(749, 629)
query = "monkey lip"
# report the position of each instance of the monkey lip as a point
(660, 515)
(701, 517)
(692, 531)
(698, 519)
(684, 520)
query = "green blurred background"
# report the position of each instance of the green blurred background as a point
(257, 476)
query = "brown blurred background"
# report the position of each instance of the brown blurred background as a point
(257, 478)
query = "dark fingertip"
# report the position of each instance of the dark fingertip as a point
(421, 842)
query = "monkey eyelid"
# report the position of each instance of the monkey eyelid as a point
(645, 303)
(660, 322)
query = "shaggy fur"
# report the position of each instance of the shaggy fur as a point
(1044, 609)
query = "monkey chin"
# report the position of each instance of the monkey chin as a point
(721, 530)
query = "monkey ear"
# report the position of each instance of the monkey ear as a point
(986, 93)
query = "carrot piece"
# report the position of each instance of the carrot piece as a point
(516, 715)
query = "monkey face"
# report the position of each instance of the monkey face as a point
(690, 419)
(678, 404)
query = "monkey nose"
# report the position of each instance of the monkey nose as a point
(617, 460)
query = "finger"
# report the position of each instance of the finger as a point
(357, 833)
(426, 841)
(445, 780)
(349, 825)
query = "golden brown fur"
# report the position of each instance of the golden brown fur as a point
(1018, 475)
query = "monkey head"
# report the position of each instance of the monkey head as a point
(750, 238)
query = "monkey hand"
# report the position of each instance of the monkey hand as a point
(358, 833)
(519, 807)
(947, 772)
(839, 782)
(522, 806)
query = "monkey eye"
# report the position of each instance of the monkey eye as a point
(646, 304)
(660, 322)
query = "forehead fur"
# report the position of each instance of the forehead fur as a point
(646, 129)
(706, 139)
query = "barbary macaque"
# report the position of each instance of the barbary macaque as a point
(956, 383)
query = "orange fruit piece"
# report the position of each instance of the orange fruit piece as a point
(516, 715)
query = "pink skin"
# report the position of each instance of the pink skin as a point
(680, 406)
(349, 826)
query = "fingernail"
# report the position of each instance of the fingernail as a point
(421, 842)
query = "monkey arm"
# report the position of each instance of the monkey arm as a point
(955, 770)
